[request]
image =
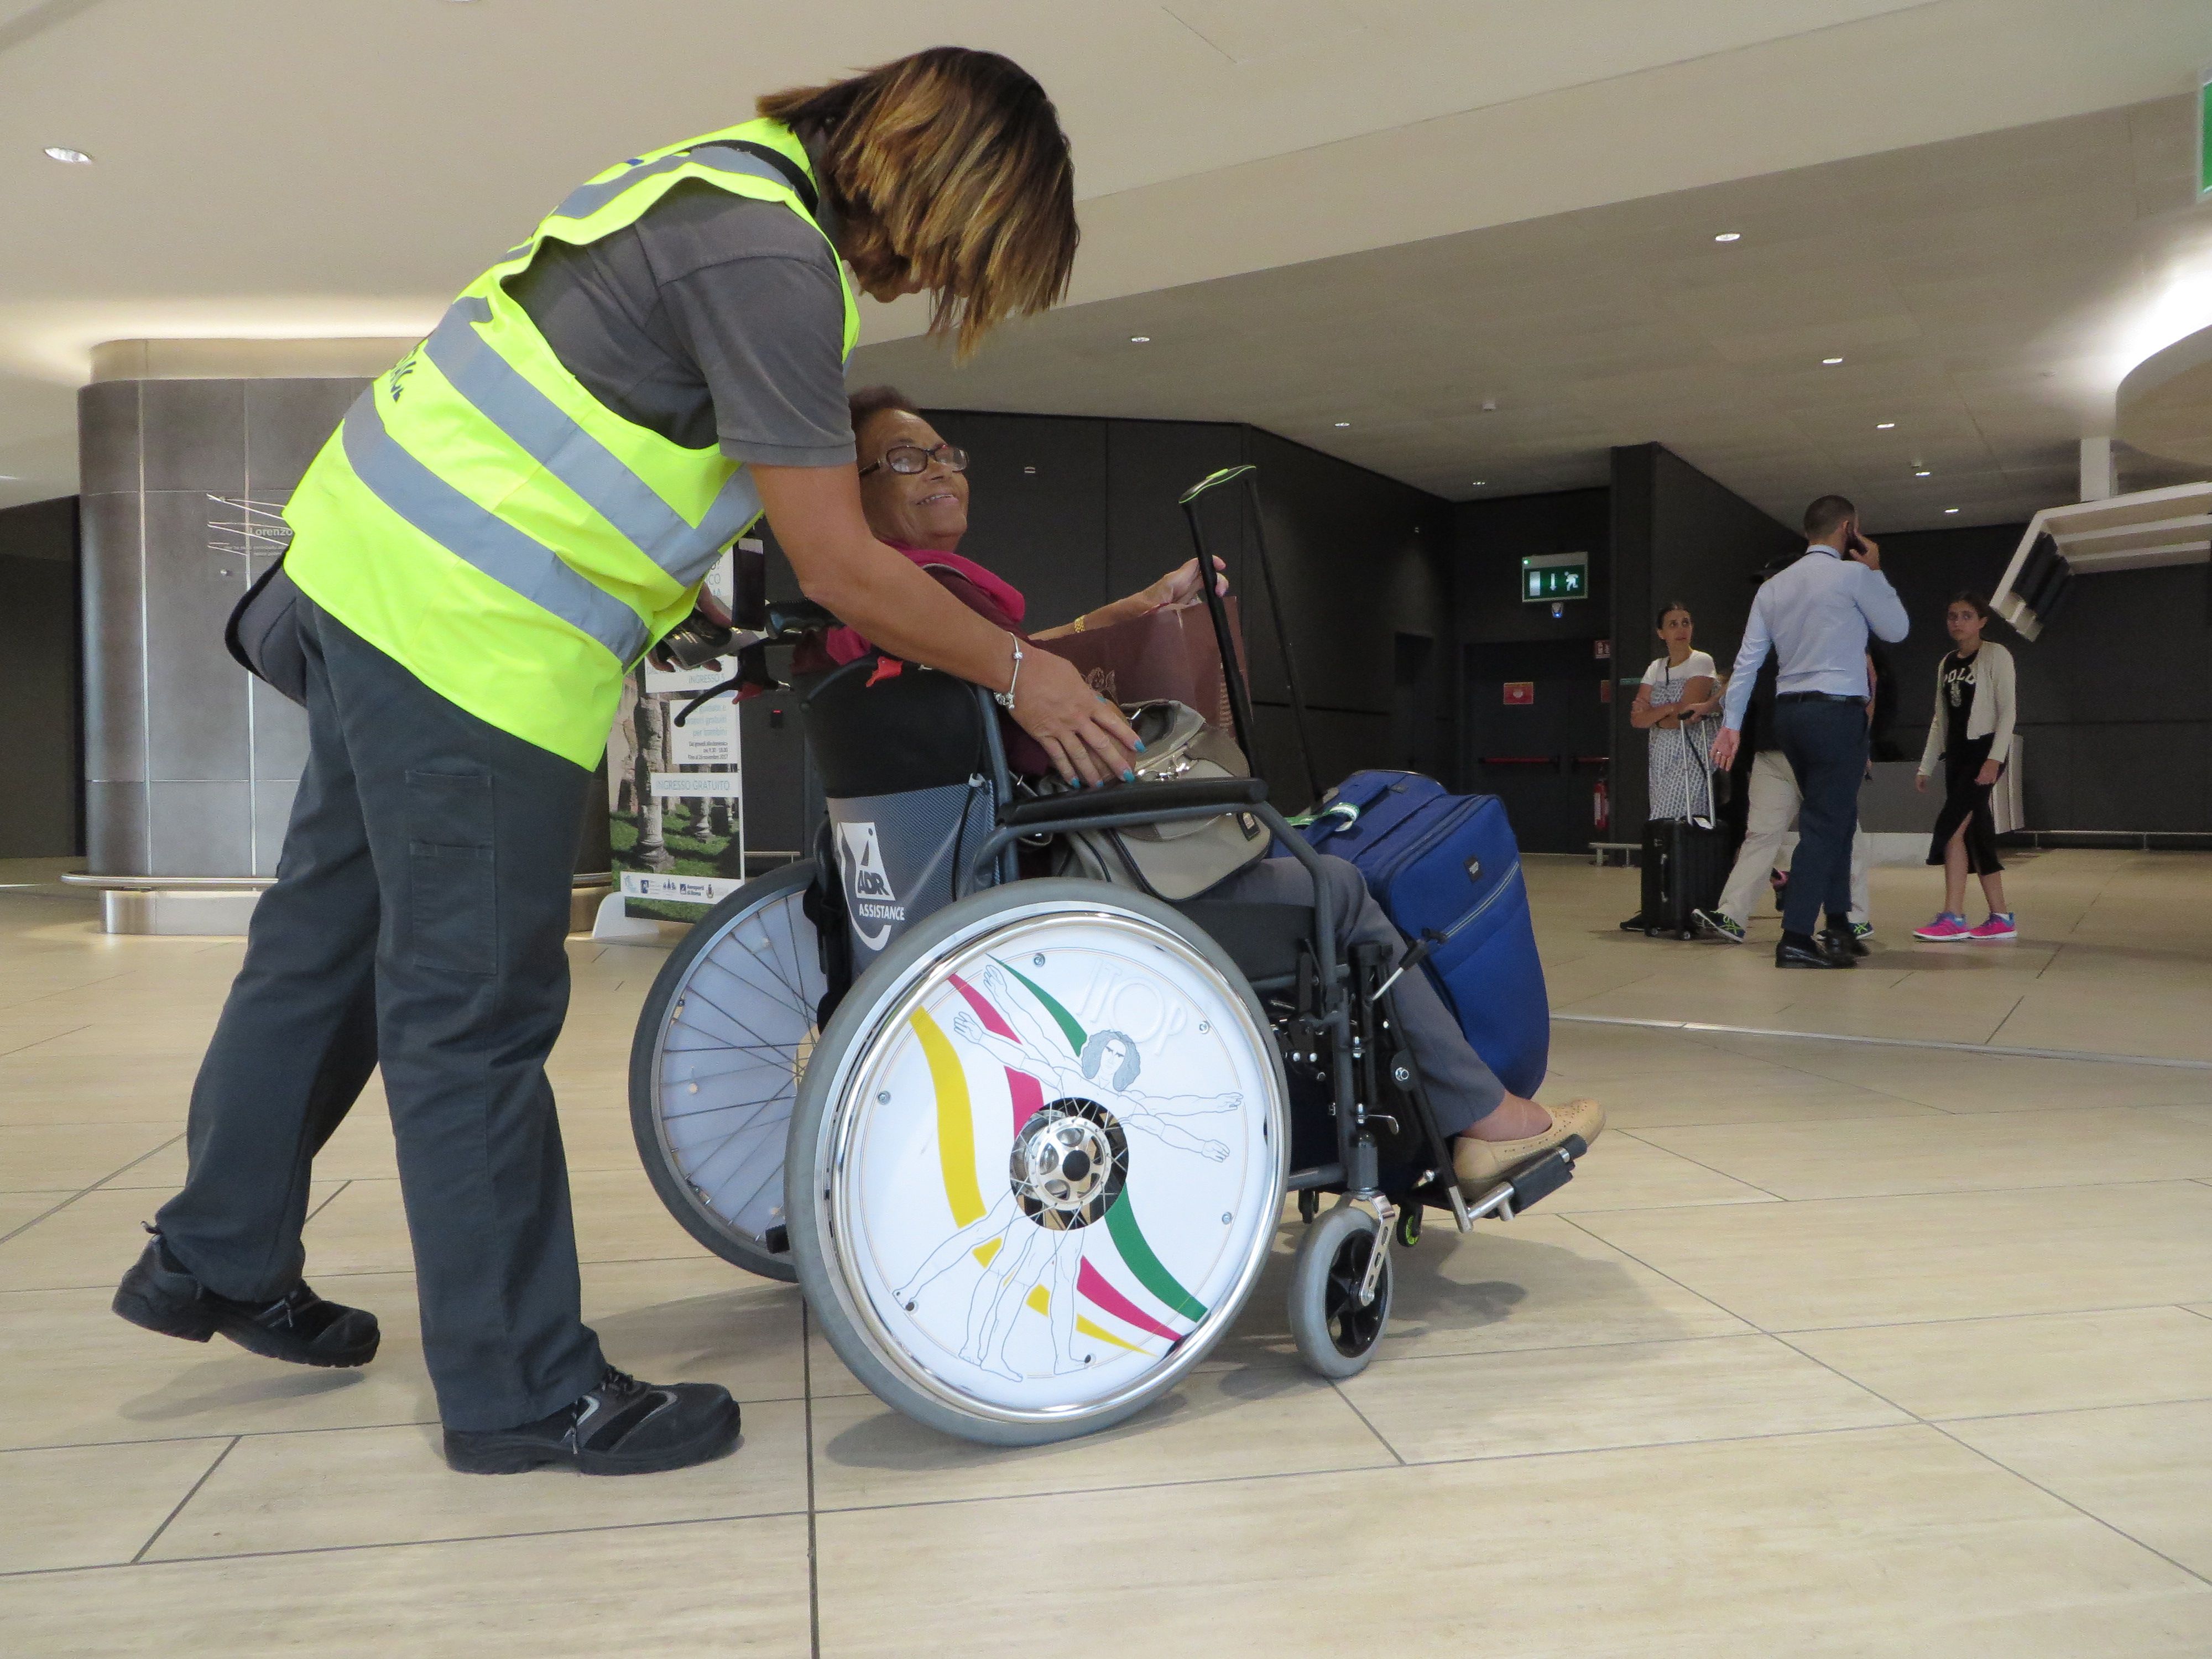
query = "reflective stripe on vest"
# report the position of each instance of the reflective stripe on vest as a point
(540, 428)
(586, 199)
(483, 537)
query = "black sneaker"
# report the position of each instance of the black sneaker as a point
(622, 1427)
(299, 1327)
(1843, 942)
(1797, 951)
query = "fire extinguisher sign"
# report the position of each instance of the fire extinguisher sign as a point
(1520, 693)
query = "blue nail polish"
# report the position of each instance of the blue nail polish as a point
(1140, 745)
(1128, 776)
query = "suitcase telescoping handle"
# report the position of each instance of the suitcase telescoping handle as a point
(1240, 700)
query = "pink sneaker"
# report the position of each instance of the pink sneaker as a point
(1998, 927)
(1947, 929)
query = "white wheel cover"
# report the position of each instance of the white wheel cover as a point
(1058, 1151)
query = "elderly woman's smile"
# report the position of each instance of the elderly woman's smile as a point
(926, 507)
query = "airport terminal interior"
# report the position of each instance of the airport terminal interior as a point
(1877, 1320)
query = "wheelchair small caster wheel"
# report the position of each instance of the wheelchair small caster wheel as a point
(1409, 1226)
(1308, 1206)
(1336, 1333)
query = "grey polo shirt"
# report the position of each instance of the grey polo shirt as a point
(712, 318)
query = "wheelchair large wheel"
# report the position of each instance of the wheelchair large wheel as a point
(713, 1070)
(1036, 1166)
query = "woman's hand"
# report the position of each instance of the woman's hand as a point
(1083, 733)
(1180, 586)
(1989, 773)
(1920, 781)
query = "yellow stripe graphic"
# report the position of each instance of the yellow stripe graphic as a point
(955, 1127)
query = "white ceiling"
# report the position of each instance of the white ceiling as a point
(1985, 295)
(269, 169)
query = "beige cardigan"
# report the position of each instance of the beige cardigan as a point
(1993, 710)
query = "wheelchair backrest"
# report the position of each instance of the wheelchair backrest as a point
(913, 775)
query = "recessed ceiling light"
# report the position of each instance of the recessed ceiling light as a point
(1140, 339)
(1950, 509)
(1830, 363)
(73, 157)
(1883, 426)
(1730, 236)
(1920, 472)
(1480, 482)
(1344, 424)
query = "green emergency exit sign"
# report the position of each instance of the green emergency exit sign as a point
(2203, 133)
(1552, 576)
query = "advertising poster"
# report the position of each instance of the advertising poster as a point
(676, 793)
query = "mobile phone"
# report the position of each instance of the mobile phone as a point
(1854, 544)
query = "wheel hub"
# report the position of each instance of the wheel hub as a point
(1068, 1163)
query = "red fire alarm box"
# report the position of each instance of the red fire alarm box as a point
(1520, 693)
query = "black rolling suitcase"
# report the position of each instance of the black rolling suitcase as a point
(1686, 864)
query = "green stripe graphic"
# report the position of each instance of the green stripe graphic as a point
(1137, 1256)
(1076, 1035)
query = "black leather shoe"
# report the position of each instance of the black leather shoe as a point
(298, 1326)
(623, 1426)
(1840, 942)
(1793, 953)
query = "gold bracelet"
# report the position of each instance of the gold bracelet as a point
(1077, 625)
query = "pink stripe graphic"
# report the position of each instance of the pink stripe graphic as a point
(1093, 1284)
(994, 1020)
(1028, 1093)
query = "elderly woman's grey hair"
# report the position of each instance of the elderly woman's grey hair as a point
(1094, 1056)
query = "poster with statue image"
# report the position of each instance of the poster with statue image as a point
(676, 793)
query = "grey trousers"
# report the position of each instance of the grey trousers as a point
(418, 919)
(1463, 1090)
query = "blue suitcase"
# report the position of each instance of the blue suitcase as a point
(1446, 868)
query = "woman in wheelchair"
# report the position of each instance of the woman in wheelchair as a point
(915, 494)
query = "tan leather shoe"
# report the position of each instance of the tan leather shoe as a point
(1480, 1164)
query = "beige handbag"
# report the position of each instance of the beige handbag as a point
(1171, 861)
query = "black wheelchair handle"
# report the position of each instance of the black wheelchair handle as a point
(1075, 808)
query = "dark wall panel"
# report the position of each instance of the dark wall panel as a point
(1149, 464)
(1037, 506)
(1491, 538)
(39, 721)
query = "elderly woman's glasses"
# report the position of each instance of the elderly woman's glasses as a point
(910, 458)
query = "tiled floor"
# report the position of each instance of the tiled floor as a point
(1832, 1348)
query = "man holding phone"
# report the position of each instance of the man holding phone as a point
(1816, 616)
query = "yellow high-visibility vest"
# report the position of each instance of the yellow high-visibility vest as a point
(485, 521)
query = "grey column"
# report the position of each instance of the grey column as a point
(189, 763)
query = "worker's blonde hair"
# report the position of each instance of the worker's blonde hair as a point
(949, 167)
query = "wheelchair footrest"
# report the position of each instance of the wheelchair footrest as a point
(1539, 1178)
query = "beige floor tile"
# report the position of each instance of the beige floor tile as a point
(731, 1590)
(1952, 1255)
(2050, 1362)
(74, 1373)
(346, 1488)
(1913, 1546)
(89, 1242)
(38, 1087)
(20, 1209)
(2145, 1469)
(1958, 1082)
(1786, 1098)
(1537, 1282)
(87, 1506)
(68, 1157)
(1624, 1172)
(1637, 1394)
(1955, 1153)
(1271, 1417)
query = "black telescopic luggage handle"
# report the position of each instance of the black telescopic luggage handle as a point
(1240, 700)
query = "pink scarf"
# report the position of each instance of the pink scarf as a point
(844, 644)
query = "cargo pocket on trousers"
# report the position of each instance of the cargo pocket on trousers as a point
(452, 890)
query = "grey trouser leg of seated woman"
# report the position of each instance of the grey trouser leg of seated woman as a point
(1463, 1090)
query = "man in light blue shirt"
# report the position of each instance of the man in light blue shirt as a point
(1816, 616)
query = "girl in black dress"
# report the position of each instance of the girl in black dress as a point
(1971, 734)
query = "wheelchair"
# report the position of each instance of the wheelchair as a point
(1025, 1142)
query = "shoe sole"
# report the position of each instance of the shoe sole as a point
(1943, 938)
(196, 1325)
(500, 1456)
(1991, 939)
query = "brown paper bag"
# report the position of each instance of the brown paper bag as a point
(1166, 655)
